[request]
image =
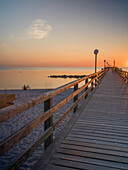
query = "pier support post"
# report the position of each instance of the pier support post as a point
(86, 81)
(98, 78)
(125, 76)
(76, 97)
(95, 81)
(92, 84)
(49, 122)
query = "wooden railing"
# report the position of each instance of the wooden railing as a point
(91, 81)
(123, 74)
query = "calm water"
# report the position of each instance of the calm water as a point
(37, 77)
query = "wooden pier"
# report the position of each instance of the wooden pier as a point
(97, 135)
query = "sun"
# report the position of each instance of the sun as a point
(127, 64)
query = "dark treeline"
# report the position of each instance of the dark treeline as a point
(67, 76)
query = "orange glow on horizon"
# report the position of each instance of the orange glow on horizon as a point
(65, 57)
(70, 62)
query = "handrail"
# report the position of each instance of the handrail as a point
(14, 110)
(49, 110)
(123, 74)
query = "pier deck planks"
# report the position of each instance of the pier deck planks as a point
(99, 137)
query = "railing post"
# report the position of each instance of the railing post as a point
(49, 122)
(98, 77)
(92, 83)
(126, 77)
(86, 88)
(76, 97)
(95, 81)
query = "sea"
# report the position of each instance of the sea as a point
(38, 77)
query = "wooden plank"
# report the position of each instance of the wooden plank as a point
(95, 150)
(117, 127)
(99, 138)
(122, 122)
(76, 151)
(102, 129)
(48, 104)
(77, 164)
(86, 81)
(96, 131)
(6, 100)
(106, 123)
(99, 135)
(57, 167)
(93, 161)
(97, 141)
(75, 98)
(95, 145)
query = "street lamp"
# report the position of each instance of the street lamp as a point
(96, 52)
(104, 63)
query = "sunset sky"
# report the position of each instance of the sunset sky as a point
(63, 33)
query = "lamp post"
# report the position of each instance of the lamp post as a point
(108, 64)
(114, 63)
(104, 63)
(96, 52)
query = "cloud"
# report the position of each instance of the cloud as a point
(39, 29)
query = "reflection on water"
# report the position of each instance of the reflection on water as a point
(37, 78)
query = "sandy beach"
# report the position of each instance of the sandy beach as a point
(12, 125)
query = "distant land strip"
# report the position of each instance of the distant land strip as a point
(66, 76)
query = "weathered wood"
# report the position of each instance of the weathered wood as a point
(6, 100)
(92, 83)
(77, 151)
(122, 150)
(103, 129)
(54, 145)
(57, 167)
(97, 141)
(76, 164)
(123, 74)
(98, 131)
(121, 155)
(16, 137)
(99, 135)
(98, 138)
(92, 161)
(48, 104)
(14, 110)
(76, 97)
(46, 117)
(57, 122)
(86, 81)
